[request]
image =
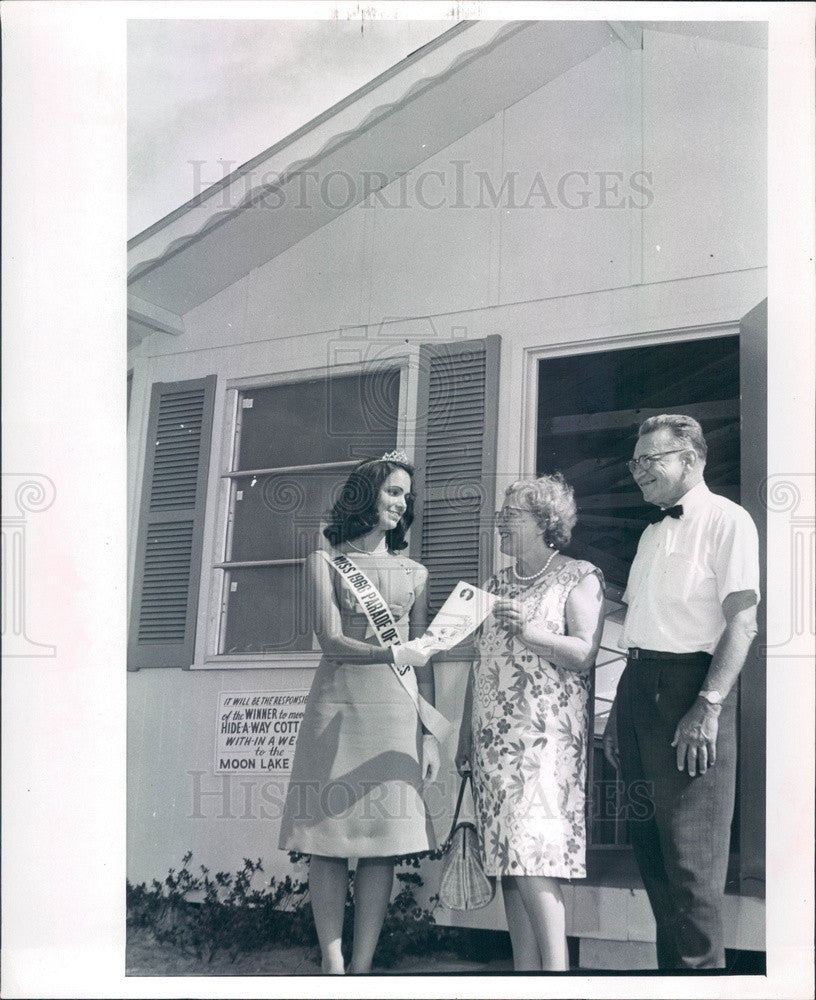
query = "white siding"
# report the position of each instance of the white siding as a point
(426, 260)
(570, 279)
(705, 141)
(587, 121)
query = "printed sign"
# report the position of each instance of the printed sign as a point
(256, 731)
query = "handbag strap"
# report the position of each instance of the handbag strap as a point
(465, 779)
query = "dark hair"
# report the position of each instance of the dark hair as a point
(355, 510)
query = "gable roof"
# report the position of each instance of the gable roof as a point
(206, 248)
(430, 99)
(288, 140)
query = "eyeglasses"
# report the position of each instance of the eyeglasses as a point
(510, 513)
(645, 462)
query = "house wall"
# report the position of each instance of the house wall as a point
(689, 112)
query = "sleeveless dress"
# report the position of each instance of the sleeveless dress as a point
(530, 728)
(356, 784)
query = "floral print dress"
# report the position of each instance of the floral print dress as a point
(530, 726)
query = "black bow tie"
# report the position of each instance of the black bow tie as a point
(658, 515)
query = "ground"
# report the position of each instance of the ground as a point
(146, 957)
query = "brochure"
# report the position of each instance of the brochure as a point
(464, 610)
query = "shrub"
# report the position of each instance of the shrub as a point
(203, 915)
(224, 914)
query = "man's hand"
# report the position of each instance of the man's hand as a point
(696, 738)
(610, 738)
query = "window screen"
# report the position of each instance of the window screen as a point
(295, 444)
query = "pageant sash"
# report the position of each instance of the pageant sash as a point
(383, 625)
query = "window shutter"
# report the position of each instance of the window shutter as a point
(457, 409)
(171, 522)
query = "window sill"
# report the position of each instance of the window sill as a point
(299, 659)
(302, 659)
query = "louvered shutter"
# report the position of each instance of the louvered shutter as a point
(168, 558)
(457, 408)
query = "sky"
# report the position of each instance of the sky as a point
(227, 90)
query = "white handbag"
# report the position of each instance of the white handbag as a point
(464, 885)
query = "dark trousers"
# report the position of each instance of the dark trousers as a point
(679, 826)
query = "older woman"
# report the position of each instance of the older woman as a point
(525, 722)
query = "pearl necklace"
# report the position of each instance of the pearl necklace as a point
(526, 579)
(367, 552)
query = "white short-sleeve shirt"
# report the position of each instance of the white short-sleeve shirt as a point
(684, 569)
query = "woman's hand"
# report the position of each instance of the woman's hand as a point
(431, 761)
(410, 654)
(511, 614)
(464, 752)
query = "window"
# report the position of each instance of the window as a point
(293, 447)
(590, 408)
(290, 445)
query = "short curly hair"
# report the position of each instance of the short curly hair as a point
(686, 430)
(551, 500)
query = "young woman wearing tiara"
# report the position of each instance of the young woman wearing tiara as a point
(365, 744)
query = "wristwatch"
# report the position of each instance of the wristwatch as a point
(712, 697)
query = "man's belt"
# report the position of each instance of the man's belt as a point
(635, 653)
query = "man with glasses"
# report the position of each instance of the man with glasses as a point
(692, 594)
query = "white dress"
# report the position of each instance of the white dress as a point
(356, 785)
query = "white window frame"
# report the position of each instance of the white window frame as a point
(653, 338)
(403, 358)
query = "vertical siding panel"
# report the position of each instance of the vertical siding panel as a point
(751, 774)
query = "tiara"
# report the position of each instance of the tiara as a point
(396, 456)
